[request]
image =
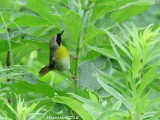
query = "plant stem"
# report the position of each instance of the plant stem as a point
(9, 41)
(78, 50)
(134, 100)
(12, 64)
(8, 64)
(76, 66)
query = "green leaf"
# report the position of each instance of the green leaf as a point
(71, 24)
(151, 102)
(113, 81)
(128, 11)
(66, 76)
(43, 57)
(134, 34)
(112, 91)
(29, 77)
(75, 105)
(155, 87)
(155, 116)
(95, 105)
(59, 6)
(23, 51)
(88, 33)
(136, 62)
(117, 105)
(101, 7)
(72, 5)
(93, 97)
(118, 43)
(105, 22)
(141, 106)
(147, 115)
(21, 2)
(111, 113)
(86, 69)
(92, 107)
(5, 115)
(43, 101)
(29, 20)
(108, 53)
(10, 4)
(43, 9)
(116, 52)
(39, 42)
(16, 19)
(86, 21)
(89, 56)
(37, 88)
(5, 47)
(5, 4)
(24, 43)
(85, 72)
(152, 54)
(5, 69)
(9, 106)
(9, 75)
(145, 80)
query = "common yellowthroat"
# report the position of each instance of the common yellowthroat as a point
(59, 57)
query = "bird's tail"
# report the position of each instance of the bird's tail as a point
(43, 71)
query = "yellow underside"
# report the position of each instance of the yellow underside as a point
(61, 52)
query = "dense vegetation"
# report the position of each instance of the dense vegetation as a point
(118, 70)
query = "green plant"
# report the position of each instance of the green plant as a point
(117, 69)
(22, 111)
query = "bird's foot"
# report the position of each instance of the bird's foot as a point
(74, 78)
(75, 57)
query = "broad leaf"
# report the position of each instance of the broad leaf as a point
(101, 7)
(43, 9)
(71, 24)
(75, 105)
(129, 11)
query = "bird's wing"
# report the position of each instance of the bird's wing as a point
(51, 56)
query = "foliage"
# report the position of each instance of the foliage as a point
(118, 65)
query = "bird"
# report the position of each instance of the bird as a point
(59, 58)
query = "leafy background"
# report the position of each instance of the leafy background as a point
(117, 42)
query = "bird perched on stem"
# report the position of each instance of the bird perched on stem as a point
(59, 57)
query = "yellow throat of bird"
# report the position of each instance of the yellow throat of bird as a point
(61, 52)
